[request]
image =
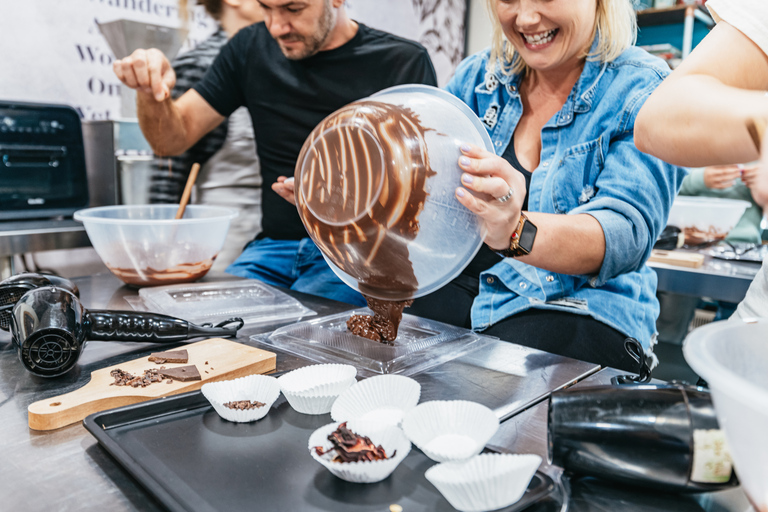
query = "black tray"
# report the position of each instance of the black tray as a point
(190, 459)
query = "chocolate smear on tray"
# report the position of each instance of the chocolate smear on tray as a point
(383, 325)
(170, 356)
(244, 405)
(361, 185)
(350, 447)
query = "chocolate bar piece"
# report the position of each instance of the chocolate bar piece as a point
(182, 373)
(171, 356)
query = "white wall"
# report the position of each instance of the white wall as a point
(479, 27)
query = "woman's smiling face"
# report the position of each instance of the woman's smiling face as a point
(549, 35)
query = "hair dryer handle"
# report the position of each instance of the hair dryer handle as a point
(141, 326)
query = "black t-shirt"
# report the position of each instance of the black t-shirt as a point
(288, 98)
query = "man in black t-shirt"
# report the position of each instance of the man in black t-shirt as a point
(307, 60)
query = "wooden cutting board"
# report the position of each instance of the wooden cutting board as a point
(215, 358)
(679, 258)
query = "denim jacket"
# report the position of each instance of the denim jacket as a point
(589, 164)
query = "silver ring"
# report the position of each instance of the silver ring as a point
(506, 197)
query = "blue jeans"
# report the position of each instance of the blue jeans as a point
(294, 264)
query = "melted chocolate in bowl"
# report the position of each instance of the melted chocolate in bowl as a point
(362, 176)
(184, 273)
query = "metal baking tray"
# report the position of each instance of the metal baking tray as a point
(190, 459)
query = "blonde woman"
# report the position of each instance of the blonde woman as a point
(570, 203)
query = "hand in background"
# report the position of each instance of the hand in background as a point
(147, 71)
(721, 176)
(284, 188)
(756, 178)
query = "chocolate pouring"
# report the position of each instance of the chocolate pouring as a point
(361, 185)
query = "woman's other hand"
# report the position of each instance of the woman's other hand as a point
(721, 176)
(490, 177)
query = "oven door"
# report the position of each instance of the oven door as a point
(42, 162)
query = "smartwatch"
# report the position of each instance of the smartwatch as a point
(521, 241)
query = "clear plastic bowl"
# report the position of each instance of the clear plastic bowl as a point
(375, 186)
(732, 356)
(144, 245)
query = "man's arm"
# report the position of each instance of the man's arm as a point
(170, 127)
(697, 116)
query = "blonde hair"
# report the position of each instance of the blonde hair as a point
(615, 24)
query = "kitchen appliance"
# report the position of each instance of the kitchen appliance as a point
(42, 161)
(50, 328)
(660, 436)
(13, 288)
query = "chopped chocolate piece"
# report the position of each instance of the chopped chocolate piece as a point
(351, 447)
(171, 356)
(206, 362)
(244, 405)
(182, 373)
(169, 381)
(383, 325)
(123, 378)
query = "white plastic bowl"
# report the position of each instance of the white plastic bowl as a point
(732, 356)
(144, 245)
(719, 215)
(360, 179)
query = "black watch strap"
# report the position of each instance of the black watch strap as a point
(521, 242)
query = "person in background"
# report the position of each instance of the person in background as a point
(307, 60)
(701, 115)
(229, 174)
(558, 92)
(719, 181)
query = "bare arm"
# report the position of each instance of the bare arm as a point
(566, 244)
(697, 116)
(170, 127)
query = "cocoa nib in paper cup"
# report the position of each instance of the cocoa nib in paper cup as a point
(254, 388)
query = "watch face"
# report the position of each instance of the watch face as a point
(527, 236)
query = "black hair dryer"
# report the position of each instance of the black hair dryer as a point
(50, 327)
(661, 436)
(13, 288)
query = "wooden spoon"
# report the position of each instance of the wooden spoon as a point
(188, 190)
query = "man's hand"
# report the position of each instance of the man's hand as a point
(147, 71)
(721, 176)
(284, 188)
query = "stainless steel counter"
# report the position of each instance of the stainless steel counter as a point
(66, 469)
(19, 237)
(717, 279)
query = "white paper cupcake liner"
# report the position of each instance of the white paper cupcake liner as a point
(319, 379)
(390, 438)
(486, 482)
(256, 388)
(384, 399)
(450, 430)
(310, 404)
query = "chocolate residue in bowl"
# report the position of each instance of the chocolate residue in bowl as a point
(363, 216)
(366, 219)
(184, 273)
(383, 325)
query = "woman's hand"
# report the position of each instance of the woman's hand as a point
(721, 176)
(491, 179)
(284, 188)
